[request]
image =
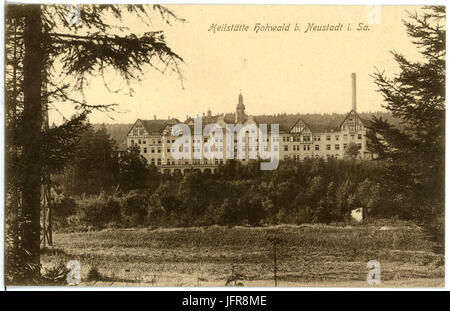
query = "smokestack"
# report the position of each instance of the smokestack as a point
(354, 91)
(154, 117)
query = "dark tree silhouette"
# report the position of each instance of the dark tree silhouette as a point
(416, 155)
(46, 38)
(352, 151)
(134, 172)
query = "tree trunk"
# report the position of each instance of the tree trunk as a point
(32, 162)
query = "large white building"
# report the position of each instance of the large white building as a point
(297, 139)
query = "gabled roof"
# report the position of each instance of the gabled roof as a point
(364, 121)
(155, 126)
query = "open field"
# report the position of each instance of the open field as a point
(307, 255)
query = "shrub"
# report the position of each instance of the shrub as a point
(94, 213)
(94, 274)
(65, 208)
(112, 210)
(228, 213)
(134, 208)
(18, 268)
(305, 214)
(254, 212)
(55, 275)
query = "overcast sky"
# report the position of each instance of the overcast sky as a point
(292, 72)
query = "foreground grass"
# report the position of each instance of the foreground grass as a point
(307, 255)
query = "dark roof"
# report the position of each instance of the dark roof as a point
(205, 119)
(316, 123)
(157, 126)
(285, 124)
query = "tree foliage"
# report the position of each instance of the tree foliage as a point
(416, 154)
(48, 61)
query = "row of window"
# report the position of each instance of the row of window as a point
(336, 137)
(212, 148)
(143, 141)
(250, 148)
(316, 147)
(297, 147)
(306, 138)
(352, 127)
(274, 139)
(205, 140)
(296, 157)
(188, 162)
(337, 147)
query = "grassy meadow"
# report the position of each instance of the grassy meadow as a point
(307, 255)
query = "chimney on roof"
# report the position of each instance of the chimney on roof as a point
(354, 91)
(154, 117)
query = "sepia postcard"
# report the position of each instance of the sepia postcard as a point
(197, 145)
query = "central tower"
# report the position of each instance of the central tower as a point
(240, 110)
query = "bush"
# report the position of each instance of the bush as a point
(228, 213)
(94, 274)
(55, 275)
(94, 213)
(18, 268)
(112, 210)
(254, 212)
(134, 208)
(65, 208)
(310, 191)
(434, 224)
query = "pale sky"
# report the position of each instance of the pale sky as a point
(292, 72)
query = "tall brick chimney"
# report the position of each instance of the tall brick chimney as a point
(354, 91)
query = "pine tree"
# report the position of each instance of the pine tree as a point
(415, 155)
(48, 39)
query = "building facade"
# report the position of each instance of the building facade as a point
(297, 139)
